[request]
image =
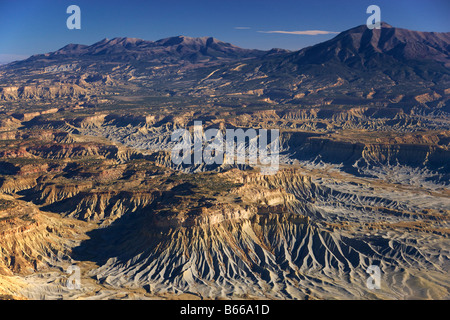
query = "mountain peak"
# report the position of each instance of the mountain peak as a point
(125, 40)
(179, 48)
(363, 27)
(189, 41)
(362, 45)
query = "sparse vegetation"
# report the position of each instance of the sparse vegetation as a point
(6, 204)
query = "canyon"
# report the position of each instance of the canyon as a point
(87, 178)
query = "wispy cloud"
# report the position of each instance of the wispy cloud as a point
(242, 28)
(304, 32)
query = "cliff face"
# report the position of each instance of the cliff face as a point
(25, 93)
(279, 231)
(87, 178)
(414, 155)
(359, 135)
(101, 206)
(249, 256)
(240, 258)
(31, 240)
(308, 231)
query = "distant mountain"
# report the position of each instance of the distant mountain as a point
(361, 46)
(174, 49)
(361, 49)
(360, 64)
(380, 67)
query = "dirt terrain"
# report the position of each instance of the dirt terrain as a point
(87, 178)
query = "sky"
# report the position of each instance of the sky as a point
(30, 27)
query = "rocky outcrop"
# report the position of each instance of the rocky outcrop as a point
(41, 92)
(98, 206)
(29, 238)
(414, 155)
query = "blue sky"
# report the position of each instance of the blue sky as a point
(37, 26)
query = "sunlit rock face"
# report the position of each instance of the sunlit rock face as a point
(87, 176)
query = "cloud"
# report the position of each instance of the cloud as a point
(305, 32)
(242, 28)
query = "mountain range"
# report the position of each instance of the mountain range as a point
(176, 48)
(87, 177)
(360, 66)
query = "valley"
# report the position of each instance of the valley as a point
(87, 178)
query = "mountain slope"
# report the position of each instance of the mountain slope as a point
(390, 67)
(174, 49)
(359, 46)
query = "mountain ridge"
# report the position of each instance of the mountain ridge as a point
(397, 42)
(182, 47)
(384, 40)
(338, 71)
